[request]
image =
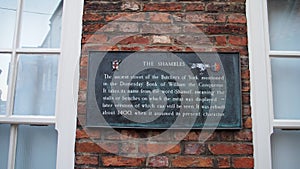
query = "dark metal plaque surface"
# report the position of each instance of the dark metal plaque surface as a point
(162, 90)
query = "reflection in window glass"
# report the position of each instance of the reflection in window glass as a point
(7, 24)
(4, 144)
(36, 147)
(36, 85)
(41, 24)
(284, 24)
(286, 90)
(285, 149)
(4, 70)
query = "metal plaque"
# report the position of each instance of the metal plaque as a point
(162, 90)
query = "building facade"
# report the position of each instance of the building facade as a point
(45, 82)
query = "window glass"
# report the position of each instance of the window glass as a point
(36, 85)
(41, 23)
(7, 24)
(36, 147)
(284, 24)
(4, 70)
(285, 149)
(4, 145)
(286, 90)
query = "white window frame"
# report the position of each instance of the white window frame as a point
(67, 83)
(67, 86)
(261, 83)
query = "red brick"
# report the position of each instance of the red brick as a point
(158, 161)
(226, 136)
(246, 86)
(246, 98)
(221, 40)
(118, 161)
(230, 148)
(80, 134)
(195, 7)
(135, 40)
(160, 17)
(163, 48)
(223, 162)
(83, 61)
(130, 48)
(124, 16)
(86, 160)
(88, 147)
(237, 40)
(91, 28)
(94, 38)
(237, 18)
(243, 162)
(83, 85)
(243, 135)
(81, 108)
(226, 29)
(103, 7)
(226, 7)
(154, 148)
(162, 7)
(191, 161)
(248, 123)
(205, 18)
(92, 17)
(194, 148)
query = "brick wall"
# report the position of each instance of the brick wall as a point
(164, 26)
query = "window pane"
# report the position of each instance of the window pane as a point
(4, 145)
(286, 90)
(41, 24)
(285, 149)
(7, 24)
(36, 85)
(36, 147)
(4, 70)
(284, 23)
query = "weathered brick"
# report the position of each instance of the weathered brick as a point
(125, 16)
(223, 162)
(94, 38)
(160, 28)
(195, 7)
(243, 162)
(162, 7)
(237, 18)
(230, 148)
(81, 134)
(87, 160)
(161, 39)
(141, 40)
(129, 27)
(131, 5)
(92, 17)
(118, 161)
(226, 7)
(191, 161)
(243, 135)
(160, 17)
(158, 161)
(205, 18)
(88, 147)
(194, 148)
(129, 148)
(81, 108)
(102, 6)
